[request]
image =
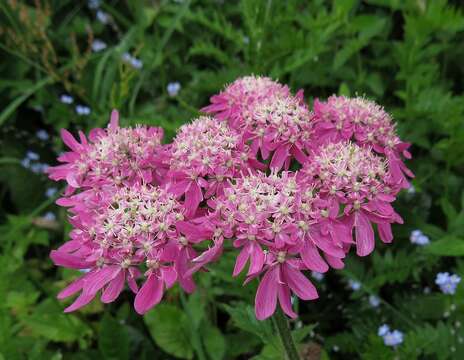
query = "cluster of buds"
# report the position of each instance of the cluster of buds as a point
(292, 190)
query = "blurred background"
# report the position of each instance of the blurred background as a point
(66, 64)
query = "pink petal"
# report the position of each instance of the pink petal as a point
(60, 258)
(285, 301)
(69, 140)
(299, 283)
(279, 157)
(149, 294)
(256, 259)
(266, 295)
(114, 120)
(193, 198)
(334, 262)
(81, 301)
(114, 288)
(365, 241)
(385, 232)
(312, 259)
(100, 278)
(72, 288)
(241, 261)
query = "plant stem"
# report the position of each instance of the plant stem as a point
(281, 323)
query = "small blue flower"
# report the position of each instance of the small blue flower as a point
(50, 192)
(42, 135)
(374, 301)
(66, 99)
(82, 110)
(39, 168)
(31, 155)
(418, 238)
(383, 330)
(126, 57)
(411, 190)
(49, 216)
(173, 88)
(393, 338)
(354, 285)
(103, 17)
(136, 63)
(98, 45)
(447, 282)
(26, 163)
(317, 275)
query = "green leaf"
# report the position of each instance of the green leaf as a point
(244, 317)
(113, 339)
(196, 307)
(169, 326)
(50, 322)
(447, 246)
(215, 343)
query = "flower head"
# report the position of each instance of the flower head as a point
(418, 238)
(447, 282)
(113, 155)
(173, 88)
(205, 154)
(275, 224)
(239, 98)
(353, 176)
(367, 123)
(124, 231)
(279, 124)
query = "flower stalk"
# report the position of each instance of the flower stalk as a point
(285, 334)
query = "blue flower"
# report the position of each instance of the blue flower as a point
(82, 110)
(317, 275)
(50, 192)
(49, 216)
(103, 17)
(374, 301)
(66, 99)
(383, 330)
(136, 63)
(173, 88)
(31, 155)
(447, 282)
(98, 45)
(42, 135)
(354, 285)
(132, 60)
(418, 238)
(393, 338)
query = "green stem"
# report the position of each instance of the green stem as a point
(196, 341)
(281, 323)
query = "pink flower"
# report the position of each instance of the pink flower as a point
(366, 123)
(273, 215)
(111, 156)
(356, 178)
(204, 155)
(125, 229)
(238, 99)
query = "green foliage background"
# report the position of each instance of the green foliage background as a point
(407, 55)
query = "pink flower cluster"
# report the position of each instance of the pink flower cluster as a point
(291, 189)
